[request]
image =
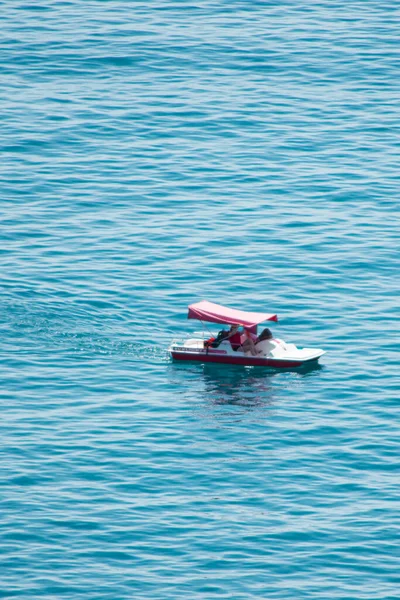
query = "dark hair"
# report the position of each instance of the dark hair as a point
(266, 334)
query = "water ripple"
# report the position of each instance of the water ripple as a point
(151, 157)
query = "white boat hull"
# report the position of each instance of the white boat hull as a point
(282, 356)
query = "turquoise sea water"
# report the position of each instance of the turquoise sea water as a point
(153, 155)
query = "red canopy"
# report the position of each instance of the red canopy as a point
(215, 313)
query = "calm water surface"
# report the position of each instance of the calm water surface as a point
(156, 154)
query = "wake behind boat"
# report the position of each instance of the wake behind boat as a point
(240, 344)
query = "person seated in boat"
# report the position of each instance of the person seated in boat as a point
(223, 335)
(266, 343)
(235, 337)
(254, 345)
(263, 343)
(249, 341)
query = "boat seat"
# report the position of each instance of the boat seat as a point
(194, 343)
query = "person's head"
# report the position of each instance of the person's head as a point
(266, 334)
(233, 328)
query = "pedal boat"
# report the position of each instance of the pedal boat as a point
(276, 353)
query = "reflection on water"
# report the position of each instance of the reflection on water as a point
(243, 386)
